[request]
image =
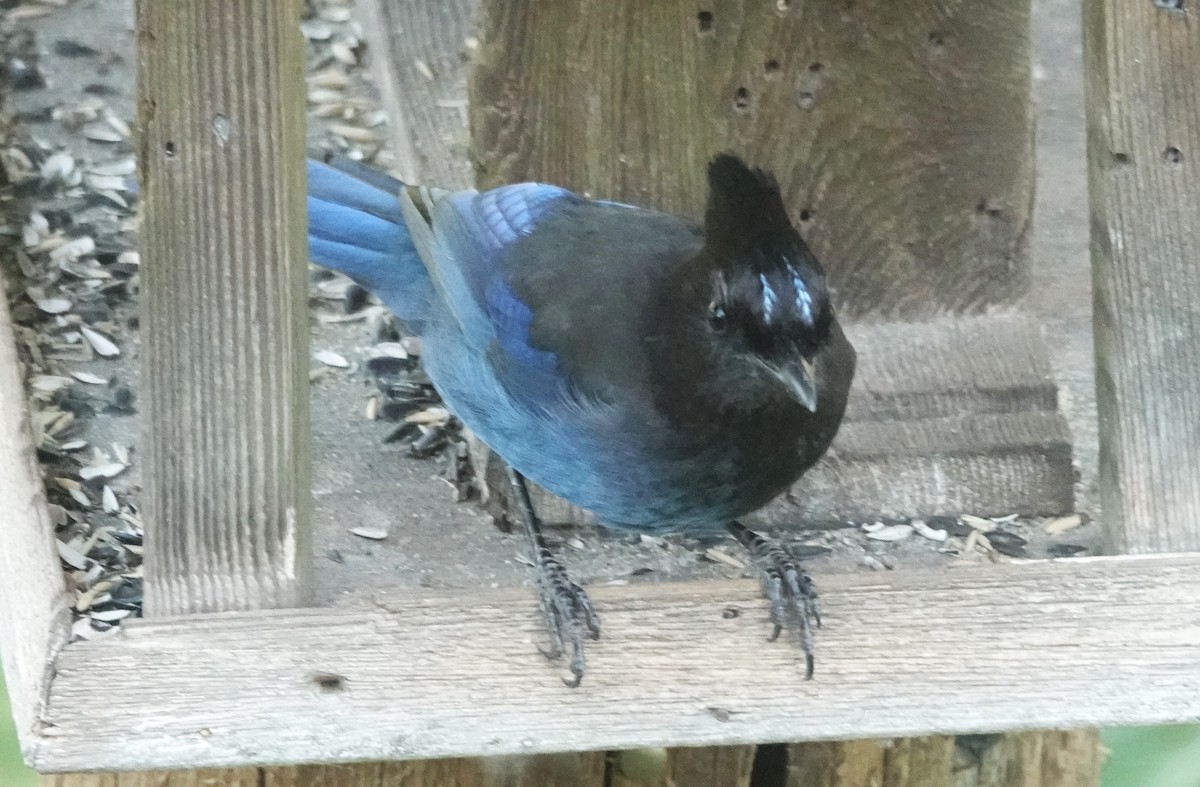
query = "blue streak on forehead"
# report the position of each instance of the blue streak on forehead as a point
(769, 297)
(804, 299)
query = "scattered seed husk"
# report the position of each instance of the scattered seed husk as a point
(721, 556)
(89, 378)
(110, 615)
(103, 345)
(978, 523)
(108, 500)
(873, 563)
(337, 14)
(123, 167)
(373, 533)
(925, 531)
(1062, 524)
(316, 30)
(49, 383)
(71, 250)
(330, 358)
(344, 52)
(356, 134)
(431, 415)
(108, 470)
(103, 132)
(891, 533)
(54, 305)
(72, 556)
(58, 166)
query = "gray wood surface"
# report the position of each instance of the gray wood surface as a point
(419, 58)
(1014, 646)
(33, 597)
(1142, 62)
(228, 495)
(901, 133)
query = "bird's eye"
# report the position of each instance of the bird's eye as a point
(716, 316)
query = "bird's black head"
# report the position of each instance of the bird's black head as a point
(769, 299)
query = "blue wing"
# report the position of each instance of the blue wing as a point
(473, 233)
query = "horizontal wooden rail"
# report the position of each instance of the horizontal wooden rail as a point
(1036, 644)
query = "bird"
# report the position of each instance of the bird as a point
(667, 375)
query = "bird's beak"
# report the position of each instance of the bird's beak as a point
(800, 378)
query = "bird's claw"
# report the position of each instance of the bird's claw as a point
(791, 595)
(570, 616)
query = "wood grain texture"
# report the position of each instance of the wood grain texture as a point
(1143, 107)
(203, 777)
(1096, 641)
(544, 770)
(945, 417)
(221, 113)
(419, 57)
(901, 133)
(681, 766)
(33, 597)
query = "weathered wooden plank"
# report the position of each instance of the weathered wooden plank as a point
(1095, 641)
(901, 133)
(33, 598)
(543, 770)
(711, 766)
(221, 114)
(204, 777)
(1143, 78)
(419, 55)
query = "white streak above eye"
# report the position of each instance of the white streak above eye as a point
(769, 298)
(803, 299)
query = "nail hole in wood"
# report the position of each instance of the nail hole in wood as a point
(741, 99)
(704, 22)
(169, 149)
(771, 66)
(1172, 156)
(328, 682)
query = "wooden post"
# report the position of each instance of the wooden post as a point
(1142, 61)
(901, 133)
(34, 621)
(225, 320)
(221, 115)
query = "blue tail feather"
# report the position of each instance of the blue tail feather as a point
(355, 227)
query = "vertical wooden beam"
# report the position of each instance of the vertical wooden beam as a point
(33, 596)
(1142, 63)
(221, 115)
(901, 133)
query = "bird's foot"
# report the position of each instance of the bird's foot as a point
(791, 595)
(570, 617)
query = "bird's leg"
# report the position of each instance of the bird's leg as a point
(566, 607)
(790, 593)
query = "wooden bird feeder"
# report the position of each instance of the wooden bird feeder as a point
(903, 137)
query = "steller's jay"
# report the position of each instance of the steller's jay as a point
(666, 376)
